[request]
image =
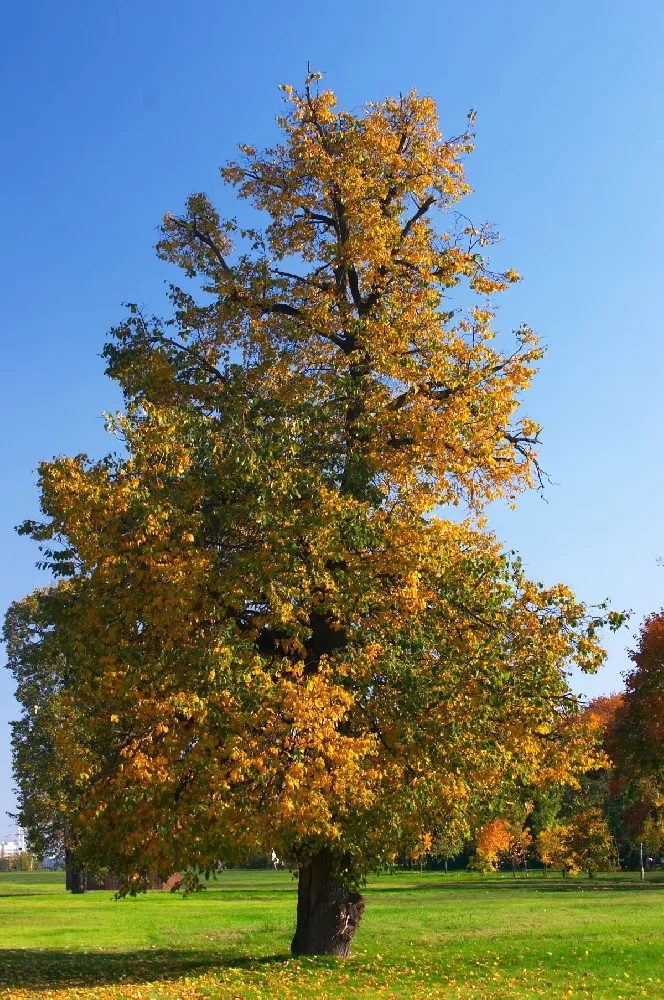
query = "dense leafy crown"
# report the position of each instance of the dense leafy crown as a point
(636, 731)
(337, 310)
(264, 638)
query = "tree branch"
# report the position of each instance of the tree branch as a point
(323, 286)
(422, 210)
(280, 307)
(205, 239)
(213, 371)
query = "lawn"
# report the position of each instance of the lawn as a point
(424, 936)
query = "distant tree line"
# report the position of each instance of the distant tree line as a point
(613, 818)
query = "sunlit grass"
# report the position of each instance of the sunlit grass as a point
(424, 936)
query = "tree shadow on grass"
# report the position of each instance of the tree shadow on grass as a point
(46, 968)
(22, 895)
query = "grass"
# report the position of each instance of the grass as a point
(424, 936)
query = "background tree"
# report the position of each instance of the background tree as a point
(652, 834)
(270, 641)
(554, 849)
(604, 710)
(422, 849)
(601, 788)
(448, 842)
(45, 783)
(498, 841)
(636, 740)
(41, 774)
(491, 845)
(518, 848)
(545, 807)
(590, 842)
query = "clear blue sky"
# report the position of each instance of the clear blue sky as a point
(113, 112)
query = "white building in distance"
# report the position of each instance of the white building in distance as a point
(9, 848)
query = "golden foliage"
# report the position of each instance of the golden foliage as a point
(341, 309)
(582, 843)
(269, 641)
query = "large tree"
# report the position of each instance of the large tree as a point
(636, 735)
(271, 635)
(635, 740)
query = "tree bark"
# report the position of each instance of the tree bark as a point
(328, 914)
(76, 881)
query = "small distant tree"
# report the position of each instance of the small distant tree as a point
(553, 849)
(652, 833)
(422, 849)
(24, 861)
(545, 808)
(492, 843)
(590, 842)
(448, 843)
(501, 841)
(518, 848)
(647, 828)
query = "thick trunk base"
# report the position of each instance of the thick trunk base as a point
(76, 881)
(327, 913)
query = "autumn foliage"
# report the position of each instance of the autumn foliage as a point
(492, 842)
(637, 743)
(500, 841)
(581, 843)
(268, 630)
(604, 711)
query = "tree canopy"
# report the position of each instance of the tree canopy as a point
(637, 732)
(268, 627)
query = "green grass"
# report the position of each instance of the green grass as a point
(424, 936)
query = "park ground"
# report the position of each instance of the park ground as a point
(426, 936)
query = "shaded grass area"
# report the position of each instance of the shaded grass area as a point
(424, 936)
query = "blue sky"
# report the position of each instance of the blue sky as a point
(113, 112)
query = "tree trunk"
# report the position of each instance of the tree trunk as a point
(643, 871)
(77, 881)
(328, 914)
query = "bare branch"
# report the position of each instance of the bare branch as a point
(524, 445)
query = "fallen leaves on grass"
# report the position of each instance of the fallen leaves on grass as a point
(321, 979)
